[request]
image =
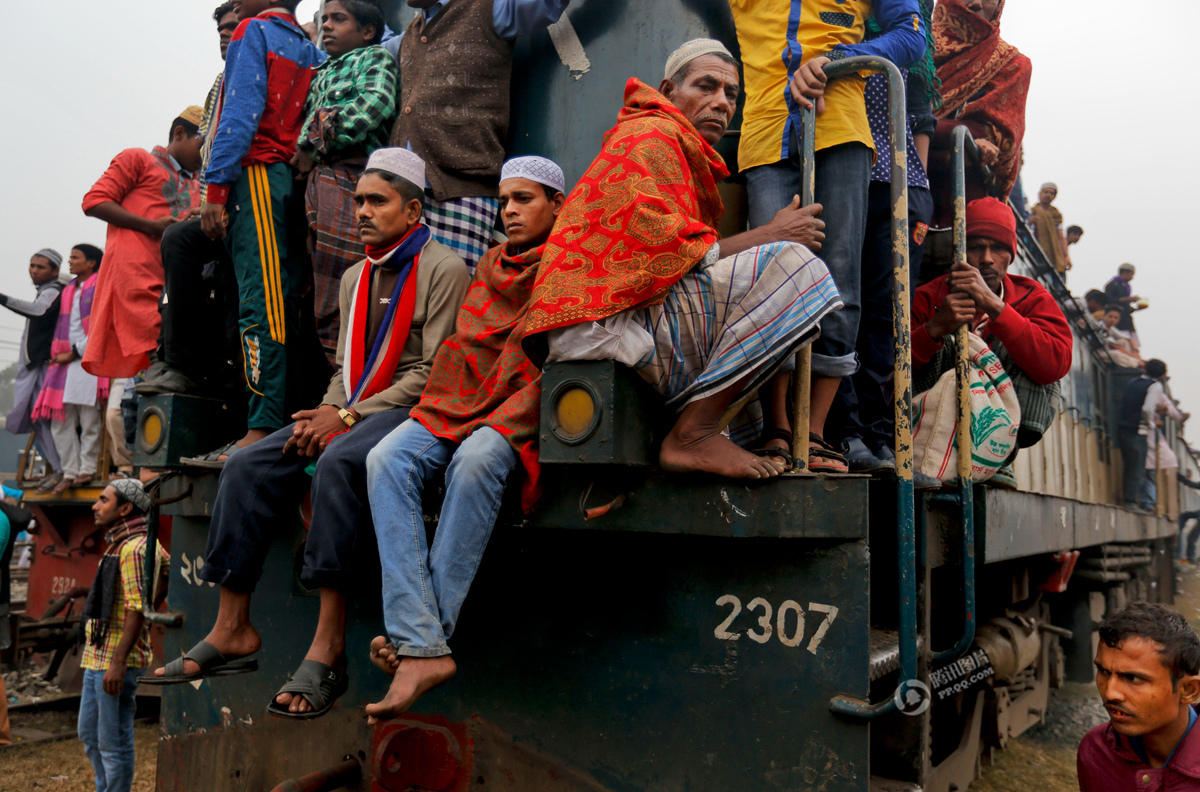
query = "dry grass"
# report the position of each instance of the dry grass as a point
(60, 766)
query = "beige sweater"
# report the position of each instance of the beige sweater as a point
(442, 280)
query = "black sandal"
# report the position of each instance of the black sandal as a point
(784, 454)
(320, 685)
(212, 664)
(822, 458)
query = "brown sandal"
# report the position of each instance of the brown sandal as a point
(822, 458)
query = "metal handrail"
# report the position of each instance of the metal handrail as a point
(902, 386)
(171, 619)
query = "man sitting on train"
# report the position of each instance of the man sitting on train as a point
(477, 421)
(634, 272)
(1016, 316)
(397, 307)
(1148, 675)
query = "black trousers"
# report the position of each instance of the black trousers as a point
(198, 306)
(260, 490)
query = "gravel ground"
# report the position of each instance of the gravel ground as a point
(60, 766)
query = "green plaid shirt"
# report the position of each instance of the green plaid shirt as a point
(351, 104)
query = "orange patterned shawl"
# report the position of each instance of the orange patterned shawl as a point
(985, 81)
(643, 215)
(481, 376)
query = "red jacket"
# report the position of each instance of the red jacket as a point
(1107, 763)
(1031, 327)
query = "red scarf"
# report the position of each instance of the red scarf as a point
(368, 370)
(643, 215)
(985, 82)
(481, 376)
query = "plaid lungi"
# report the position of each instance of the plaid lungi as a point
(333, 243)
(465, 225)
(735, 322)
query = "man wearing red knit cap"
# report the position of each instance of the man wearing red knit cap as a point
(1016, 316)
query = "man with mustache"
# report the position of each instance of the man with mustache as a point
(397, 307)
(1147, 667)
(634, 271)
(1014, 315)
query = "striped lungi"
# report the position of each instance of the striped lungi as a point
(465, 225)
(736, 321)
(333, 242)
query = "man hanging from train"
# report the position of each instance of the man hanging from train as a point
(634, 271)
(397, 307)
(1016, 316)
(477, 421)
(456, 64)
(1148, 675)
(116, 640)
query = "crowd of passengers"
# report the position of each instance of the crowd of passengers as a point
(337, 209)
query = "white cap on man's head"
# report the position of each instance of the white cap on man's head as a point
(538, 169)
(690, 50)
(399, 162)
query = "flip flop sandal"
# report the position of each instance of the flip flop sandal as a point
(823, 459)
(782, 453)
(212, 459)
(212, 664)
(775, 433)
(320, 685)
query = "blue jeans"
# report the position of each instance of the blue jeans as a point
(424, 586)
(843, 174)
(106, 729)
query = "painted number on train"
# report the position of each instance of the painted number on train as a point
(189, 570)
(786, 623)
(60, 585)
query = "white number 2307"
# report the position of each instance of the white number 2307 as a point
(788, 625)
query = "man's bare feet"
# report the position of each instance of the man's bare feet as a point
(383, 655)
(414, 677)
(714, 453)
(231, 643)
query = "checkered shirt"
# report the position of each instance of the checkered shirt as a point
(351, 104)
(129, 598)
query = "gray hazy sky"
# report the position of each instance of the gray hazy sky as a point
(87, 79)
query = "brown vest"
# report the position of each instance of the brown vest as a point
(455, 75)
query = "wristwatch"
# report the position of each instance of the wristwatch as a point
(347, 417)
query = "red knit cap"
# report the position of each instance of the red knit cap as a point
(991, 218)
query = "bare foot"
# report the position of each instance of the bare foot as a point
(414, 677)
(237, 643)
(383, 655)
(714, 453)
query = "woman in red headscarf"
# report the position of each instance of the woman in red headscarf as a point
(984, 83)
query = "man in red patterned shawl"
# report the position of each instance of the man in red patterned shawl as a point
(634, 271)
(477, 420)
(985, 82)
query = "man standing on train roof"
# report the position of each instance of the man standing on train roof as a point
(1148, 675)
(478, 422)
(634, 271)
(1118, 291)
(456, 66)
(140, 195)
(33, 357)
(116, 640)
(397, 307)
(785, 47)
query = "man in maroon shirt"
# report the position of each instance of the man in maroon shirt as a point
(1146, 670)
(1016, 316)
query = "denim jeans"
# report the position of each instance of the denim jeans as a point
(106, 729)
(424, 586)
(843, 174)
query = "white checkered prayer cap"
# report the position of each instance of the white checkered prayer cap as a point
(538, 169)
(399, 162)
(690, 50)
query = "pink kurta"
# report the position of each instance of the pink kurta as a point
(125, 318)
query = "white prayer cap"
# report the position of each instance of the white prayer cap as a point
(538, 169)
(691, 50)
(1049, 186)
(399, 162)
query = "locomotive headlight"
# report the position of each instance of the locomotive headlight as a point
(151, 432)
(576, 411)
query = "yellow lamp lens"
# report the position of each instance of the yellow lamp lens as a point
(575, 411)
(152, 431)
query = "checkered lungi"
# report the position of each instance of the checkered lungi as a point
(333, 243)
(735, 322)
(465, 225)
